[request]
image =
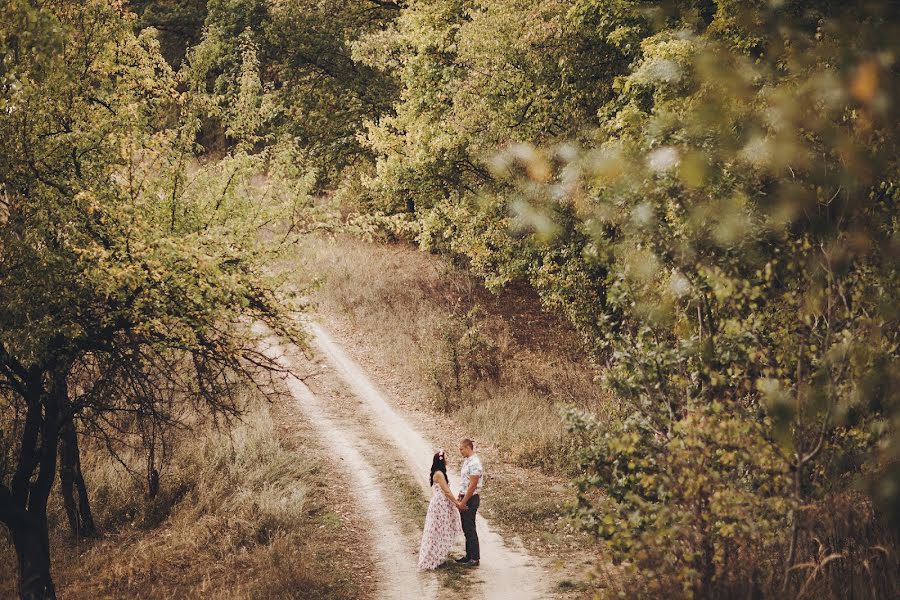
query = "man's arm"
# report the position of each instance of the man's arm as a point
(473, 483)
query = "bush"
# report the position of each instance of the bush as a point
(692, 511)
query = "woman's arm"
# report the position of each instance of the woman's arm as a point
(442, 482)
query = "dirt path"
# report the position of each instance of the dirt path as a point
(351, 425)
(397, 569)
(508, 572)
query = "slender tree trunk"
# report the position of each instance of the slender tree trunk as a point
(28, 528)
(72, 486)
(32, 545)
(23, 506)
(707, 567)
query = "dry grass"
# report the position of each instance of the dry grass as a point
(498, 364)
(417, 322)
(238, 515)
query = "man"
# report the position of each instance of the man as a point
(471, 479)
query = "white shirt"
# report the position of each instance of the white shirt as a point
(471, 466)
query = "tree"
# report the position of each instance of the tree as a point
(178, 24)
(322, 95)
(325, 94)
(118, 270)
(477, 76)
(749, 246)
(708, 190)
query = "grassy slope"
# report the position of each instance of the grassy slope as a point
(247, 513)
(519, 367)
(403, 314)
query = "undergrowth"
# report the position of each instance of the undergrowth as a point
(236, 516)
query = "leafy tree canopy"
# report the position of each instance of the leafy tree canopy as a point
(708, 190)
(130, 273)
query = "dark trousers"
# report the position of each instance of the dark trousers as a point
(473, 551)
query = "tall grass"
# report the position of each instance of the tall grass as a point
(234, 518)
(500, 365)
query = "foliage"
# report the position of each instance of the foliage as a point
(104, 237)
(466, 357)
(692, 507)
(476, 76)
(130, 273)
(319, 96)
(178, 24)
(714, 207)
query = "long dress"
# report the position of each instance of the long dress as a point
(442, 528)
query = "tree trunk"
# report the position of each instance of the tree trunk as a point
(72, 486)
(32, 545)
(23, 506)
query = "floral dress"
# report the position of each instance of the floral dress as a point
(442, 527)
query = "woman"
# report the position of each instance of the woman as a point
(442, 523)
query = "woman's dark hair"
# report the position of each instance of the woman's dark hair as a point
(438, 463)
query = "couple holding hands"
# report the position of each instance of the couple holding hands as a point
(449, 514)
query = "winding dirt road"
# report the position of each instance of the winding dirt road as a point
(507, 571)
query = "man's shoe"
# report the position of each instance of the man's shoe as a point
(464, 560)
(473, 563)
